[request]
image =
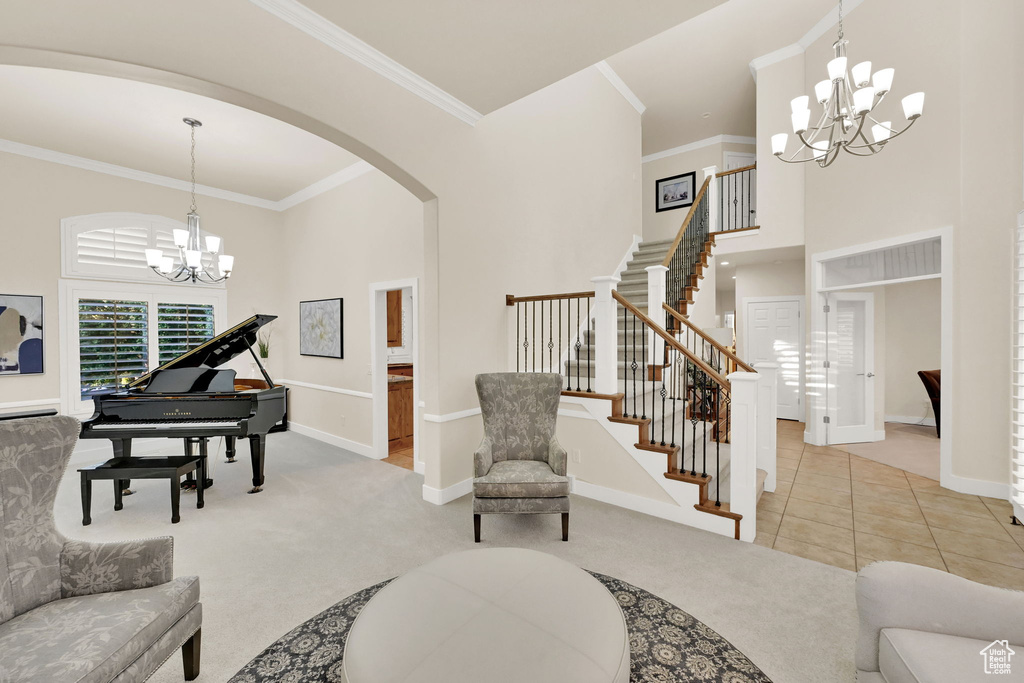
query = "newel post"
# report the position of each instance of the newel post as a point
(767, 416)
(713, 217)
(743, 451)
(605, 335)
(656, 293)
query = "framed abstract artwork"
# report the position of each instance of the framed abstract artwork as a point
(321, 328)
(21, 335)
(675, 192)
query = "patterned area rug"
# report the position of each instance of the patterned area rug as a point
(667, 645)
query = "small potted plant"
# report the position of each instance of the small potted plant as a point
(263, 351)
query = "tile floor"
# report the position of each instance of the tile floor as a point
(841, 509)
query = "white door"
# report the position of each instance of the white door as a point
(739, 160)
(850, 342)
(773, 333)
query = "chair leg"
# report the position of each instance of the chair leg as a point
(190, 655)
(476, 528)
(565, 526)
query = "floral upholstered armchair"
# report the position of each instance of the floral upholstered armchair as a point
(74, 610)
(519, 467)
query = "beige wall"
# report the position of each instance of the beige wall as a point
(913, 340)
(38, 194)
(665, 225)
(368, 230)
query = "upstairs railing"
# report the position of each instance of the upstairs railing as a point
(685, 252)
(737, 199)
(703, 345)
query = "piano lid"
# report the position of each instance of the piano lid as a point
(216, 351)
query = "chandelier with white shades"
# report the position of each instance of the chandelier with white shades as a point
(193, 263)
(846, 123)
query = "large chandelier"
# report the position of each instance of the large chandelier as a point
(190, 266)
(846, 123)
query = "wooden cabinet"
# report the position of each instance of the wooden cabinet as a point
(395, 317)
(403, 369)
(400, 415)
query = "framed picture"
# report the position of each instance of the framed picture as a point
(321, 328)
(675, 192)
(21, 335)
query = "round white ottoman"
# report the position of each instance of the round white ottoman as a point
(494, 615)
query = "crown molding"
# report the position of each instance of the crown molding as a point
(319, 187)
(621, 86)
(826, 24)
(312, 24)
(706, 142)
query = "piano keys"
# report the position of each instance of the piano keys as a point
(191, 397)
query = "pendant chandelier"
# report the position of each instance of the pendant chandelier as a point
(847, 123)
(191, 264)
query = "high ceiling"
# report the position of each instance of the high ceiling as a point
(489, 53)
(702, 66)
(138, 125)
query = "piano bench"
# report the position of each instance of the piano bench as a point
(125, 469)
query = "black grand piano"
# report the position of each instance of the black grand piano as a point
(192, 398)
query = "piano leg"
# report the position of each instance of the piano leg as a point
(203, 477)
(118, 493)
(257, 449)
(229, 448)
(123, 449)
(86, 500)
(189, 482)
(175, 500)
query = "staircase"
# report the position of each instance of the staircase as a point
(669, 380)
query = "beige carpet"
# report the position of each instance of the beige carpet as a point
(912, 448)
(330, 523)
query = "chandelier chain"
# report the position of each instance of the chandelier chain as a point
(193, 168)
(840, 19)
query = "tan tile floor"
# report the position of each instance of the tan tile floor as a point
(841, 509)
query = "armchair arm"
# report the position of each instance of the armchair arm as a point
(88, 568)
(557, 457)
(898, 595)
(483, 458)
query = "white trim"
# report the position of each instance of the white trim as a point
(782, 54)
(608, 72)
(799, 47)
(449, 417)
(628, 256)
(706, 142)
(910, 420)
(328, 33)
(447, 495)
(329, 183)
(733, 234)
(581, 414)
(879, 283)
(314, 189)
(129, 173)
(323, 387)
(28, 404)
(339, 441)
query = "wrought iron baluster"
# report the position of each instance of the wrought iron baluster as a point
(718, 456)
(694, 407)
(590, 344)
(645, 365)
(551, 336)
(526, 340)
(704, 448)
(533, 335)
(516, 347)
(577, 344)
(633, 363)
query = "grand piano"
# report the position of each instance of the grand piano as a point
(193, 398)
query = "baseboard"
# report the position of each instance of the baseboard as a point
(419, 467)
(341, 442)
(977, 487)
(19, 405)
(910, 420)
(447, 495)
(879, 435)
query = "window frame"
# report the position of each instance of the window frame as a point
(71, 291)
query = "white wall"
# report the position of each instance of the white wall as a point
(913, 340)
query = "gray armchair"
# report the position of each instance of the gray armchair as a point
(77, 611)
(519, 467)
(921, 624)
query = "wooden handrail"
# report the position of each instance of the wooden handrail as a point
(736, 170)
(706, 337)
(686, 222)
(673, 342)
(512, 300)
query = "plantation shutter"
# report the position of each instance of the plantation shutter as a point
(113, 343)
(124, 247)
(181, 327)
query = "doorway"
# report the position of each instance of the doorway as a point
(395, 370)
(773, 332)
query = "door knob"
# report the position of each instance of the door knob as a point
(861, 374)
